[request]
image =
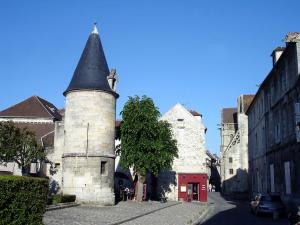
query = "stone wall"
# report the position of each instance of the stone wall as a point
(189, 132)
(273, 135)
(234, 157)
(89, 146)
(54, 155)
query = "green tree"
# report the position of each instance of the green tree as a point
(19, 146)
(147, 144)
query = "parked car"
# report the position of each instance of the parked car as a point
(268, 204)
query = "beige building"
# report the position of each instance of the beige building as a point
(234, 147)
(189, 131)
(86, 138)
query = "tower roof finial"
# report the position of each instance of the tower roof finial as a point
(95, 30)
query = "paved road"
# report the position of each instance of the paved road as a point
(235, 213)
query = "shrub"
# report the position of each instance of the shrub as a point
(63, 198)
(49, 200)
(68, 198)
(23, 200)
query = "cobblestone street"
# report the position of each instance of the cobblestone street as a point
(147, 213)
(227, 212)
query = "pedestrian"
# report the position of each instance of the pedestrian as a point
(209, 187)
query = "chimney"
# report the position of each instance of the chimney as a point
(276, 54)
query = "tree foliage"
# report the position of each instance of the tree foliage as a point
(19, 146)
(147, 144)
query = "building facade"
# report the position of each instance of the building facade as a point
(274, 126)
(234, 147)
(188, 179)
(213, 171)
(38, 116)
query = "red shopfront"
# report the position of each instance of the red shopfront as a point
(192, 187)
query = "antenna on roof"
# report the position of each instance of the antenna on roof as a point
(95, 30)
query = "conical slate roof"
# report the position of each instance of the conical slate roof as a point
(92, 70)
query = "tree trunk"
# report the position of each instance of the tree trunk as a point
(25, 170)
(139, 188)
(153, 195)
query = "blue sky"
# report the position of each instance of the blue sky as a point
(203, 54)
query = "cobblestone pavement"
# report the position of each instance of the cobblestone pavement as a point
(227, 212)
(185, 213)
(146, 213)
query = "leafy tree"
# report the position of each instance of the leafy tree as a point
(146, 143)
(19, 146)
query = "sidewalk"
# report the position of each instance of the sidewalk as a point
(147, 213)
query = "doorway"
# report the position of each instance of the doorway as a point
(193, 191)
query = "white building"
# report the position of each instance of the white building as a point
(188, 175)
(234, 147)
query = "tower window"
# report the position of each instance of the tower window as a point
(103, 167)
(230, 171)
(230, 159)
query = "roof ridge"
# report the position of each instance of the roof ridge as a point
(38, 98)
(17, 103)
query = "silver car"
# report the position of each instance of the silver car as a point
(268, 204)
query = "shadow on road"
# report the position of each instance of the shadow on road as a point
(228, 211)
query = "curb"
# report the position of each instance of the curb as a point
(61, 206)
(144, 214)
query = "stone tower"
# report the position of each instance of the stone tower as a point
(89, 144)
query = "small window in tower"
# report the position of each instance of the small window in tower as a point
(230, 171)
(230, 159)
(103, 167)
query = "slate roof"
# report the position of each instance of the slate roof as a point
(44, 132)
(229, 115)
(92, 69)
(33, 107)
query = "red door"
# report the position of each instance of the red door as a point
(192, 187)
